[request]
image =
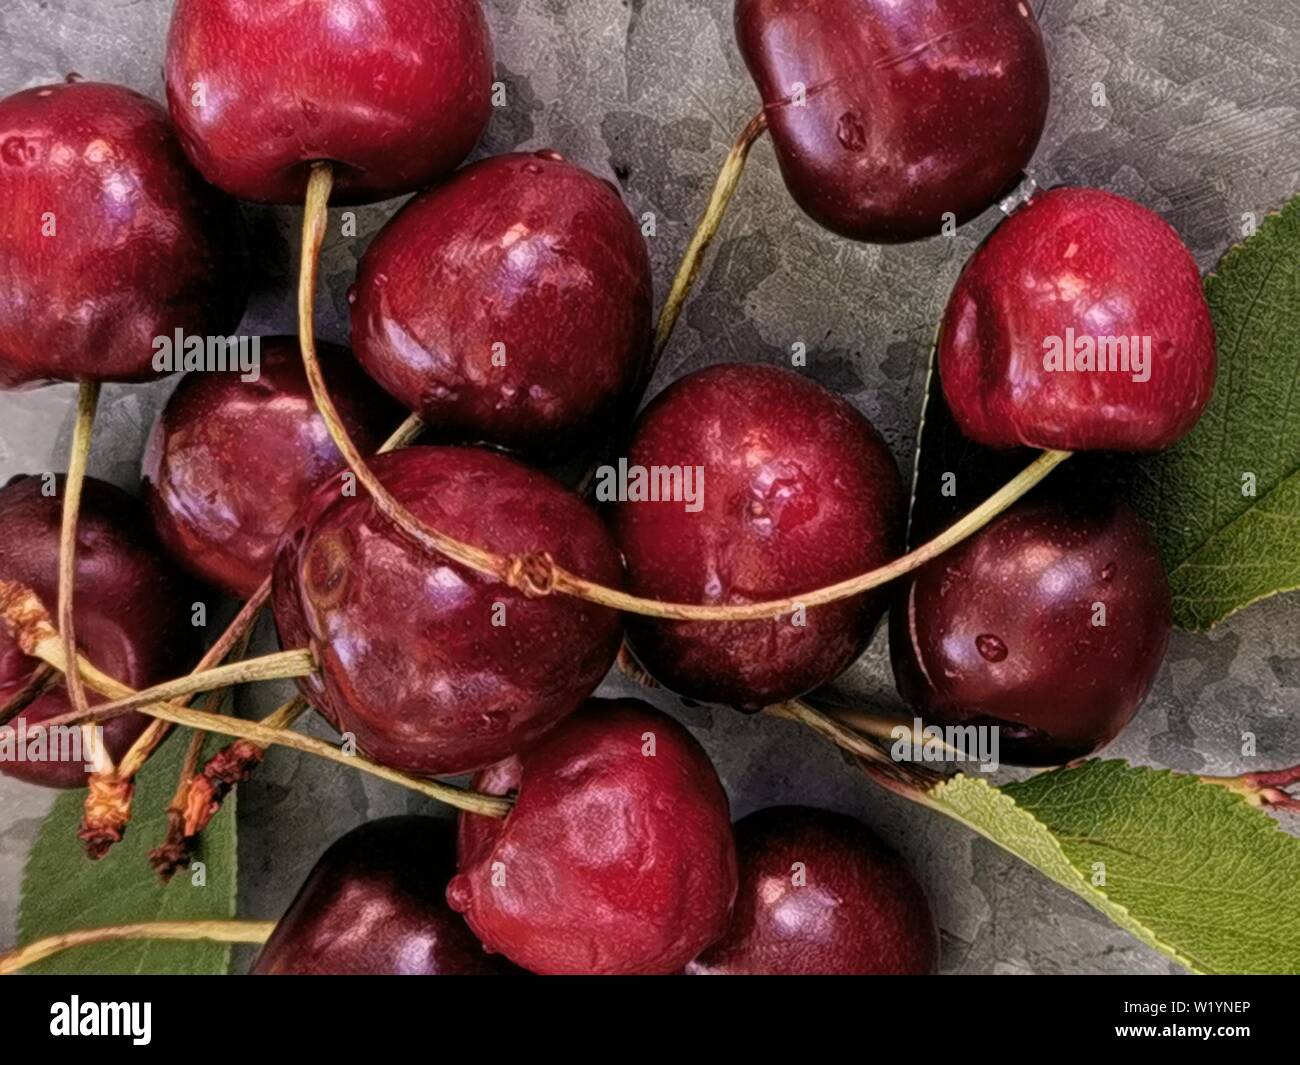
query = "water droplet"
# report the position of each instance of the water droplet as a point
(993, 649)
(532, 168)
(73, 77)
(352, 295)
(1108, 572)
(550, 154)
(850, 132)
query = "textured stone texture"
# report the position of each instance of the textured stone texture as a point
(1202, 124)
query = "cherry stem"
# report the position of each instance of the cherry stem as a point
(283, 665)
(212, 931)
(30, 623)
(828, 728)
(886, 729)
(82, 431)
(707, 229)
(1269, 789)
(42, 679)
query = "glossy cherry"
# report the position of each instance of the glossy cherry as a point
(374, 905)
(230, 461)
(799, 491)
(618, 856)
(1078, 268)
(1050, 623)
(821, 896)
(131, 607)
(889, 116)
(509, 304)
(433, 668)
(108, 239)
(392, 92)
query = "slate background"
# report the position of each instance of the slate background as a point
(1201, 125)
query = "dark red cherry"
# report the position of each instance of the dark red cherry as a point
(392, 92)
(821, 896)
(888, 115)
(108, 239)
(798, 492)
(230, 461)
(509, 304)
(435, 669)
(132, 609)
(1076, 270)
(375, 905)
(617, 858)
(1049, 623)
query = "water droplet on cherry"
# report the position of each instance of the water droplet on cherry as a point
(990, 647)
(850, 132)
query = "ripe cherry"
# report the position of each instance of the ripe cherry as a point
(131, 609)
(108, 239)
(230, 461)
(798, 491)
(392, 92)
(820, 895)
(1050, 623)
(891, 118)
(433, 668)
(374, 905)
(1076, 270)
(509, 304)
(617, 857)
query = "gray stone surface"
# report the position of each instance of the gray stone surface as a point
(1201, 125)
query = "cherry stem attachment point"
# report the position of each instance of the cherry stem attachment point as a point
(1270, 789)
(212, 931)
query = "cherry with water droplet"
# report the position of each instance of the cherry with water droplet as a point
(1028, 634)
(798, 491)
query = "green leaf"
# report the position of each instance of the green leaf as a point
(62, 889)
(1223, 547)
(1190, 868)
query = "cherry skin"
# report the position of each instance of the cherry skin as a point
(374, 906)
(799, 491)
(433, 668)
(617, 858)
(821, 896)
(230, 461)
(910, 112)
(509, 304)
(392, 92)
(108, 238)
(1078, 262)
(1050, 623)
(131, 607)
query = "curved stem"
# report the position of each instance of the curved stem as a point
(82, 430)
(213, 931)
(43, 678)
(536, 574)
(707, 228)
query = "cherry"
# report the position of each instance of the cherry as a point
(820, 895)
(433, 668)
(392, 92)
(509, 304)
(799, 491)
(107, 238)
(229, 462)
(132, 607)
(374, 906)
(1050, 623)
(890, 115)
(1073, 268)
(617, 857)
